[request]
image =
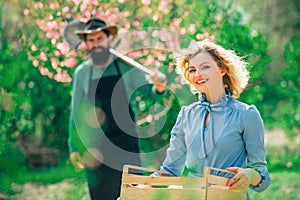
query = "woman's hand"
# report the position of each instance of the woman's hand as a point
(243, 178)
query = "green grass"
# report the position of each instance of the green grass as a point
(284, 186)
(79, 190)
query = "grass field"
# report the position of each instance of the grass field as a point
(285, 186)
(63, 183)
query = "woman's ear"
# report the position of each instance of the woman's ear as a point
(223, 71)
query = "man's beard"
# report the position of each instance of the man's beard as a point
(99, 55)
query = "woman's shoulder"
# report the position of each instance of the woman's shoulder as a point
(243, 108)
(190, 108)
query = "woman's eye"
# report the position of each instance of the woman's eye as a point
(205, 67)
(191, 70)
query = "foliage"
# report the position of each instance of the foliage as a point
(289, 107)
(26, 106)
(56, 61)
(283, 159)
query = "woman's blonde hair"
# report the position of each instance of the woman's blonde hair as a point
(237, 75)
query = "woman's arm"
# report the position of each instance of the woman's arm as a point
(176, 153)
(255, 175)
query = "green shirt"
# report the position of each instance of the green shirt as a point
(133, 80)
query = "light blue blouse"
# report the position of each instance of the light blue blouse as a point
(233, 137)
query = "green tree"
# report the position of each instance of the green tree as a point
(48, 99)
(288, 112)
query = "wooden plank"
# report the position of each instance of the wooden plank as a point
(211, 179)
(161, 194)
(215, 193)
(160, 181)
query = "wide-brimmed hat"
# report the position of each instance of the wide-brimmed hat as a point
(96, 25)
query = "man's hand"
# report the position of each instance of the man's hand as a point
(76, 160)
(159, 81)
(243, 178)
(92, 158)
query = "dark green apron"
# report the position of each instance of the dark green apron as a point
(119, 144)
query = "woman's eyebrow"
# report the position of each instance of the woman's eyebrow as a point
(203, 63)
(190, 65)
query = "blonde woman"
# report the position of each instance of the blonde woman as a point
(218, 130)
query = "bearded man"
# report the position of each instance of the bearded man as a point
(103, 135)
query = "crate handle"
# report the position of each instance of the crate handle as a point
(127, 167)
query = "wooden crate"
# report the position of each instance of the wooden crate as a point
(210, 187)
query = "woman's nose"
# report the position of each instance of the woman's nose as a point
(198, 72)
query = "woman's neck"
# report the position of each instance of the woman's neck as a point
(215, 97)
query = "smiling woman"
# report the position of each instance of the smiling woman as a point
(232, 68)
(218, 131)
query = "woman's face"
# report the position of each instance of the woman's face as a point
(204, 74)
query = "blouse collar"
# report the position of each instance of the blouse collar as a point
(222, 100)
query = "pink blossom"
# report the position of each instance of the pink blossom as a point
(161, 57)
(77, 2)
(176, 22)
(62, 76)
(147, 10)
(171, 67)
(149, 60)
(162, 5)
(192, 28)
(182, 31)
(49, 34)
(65, 9)
(54, 63)
(136, 23)
(45, 72)
(71, 62)
(156, 64)
(159, 45)
(35, 62)
(38, 5)
(57, 53)
(33, 48)
(43, 56)
(52, 5)
(155, 18)
(166, 11)
(146, 2)
(63, 47)
(26, 11)
(199, 36)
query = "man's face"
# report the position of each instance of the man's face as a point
(98, 47)
(97, 39)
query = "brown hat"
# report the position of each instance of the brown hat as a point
(96, 25)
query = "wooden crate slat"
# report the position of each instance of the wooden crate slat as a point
(217, 180)
(161, 194)
(152, 180)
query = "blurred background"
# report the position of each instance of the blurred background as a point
(36, 68)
